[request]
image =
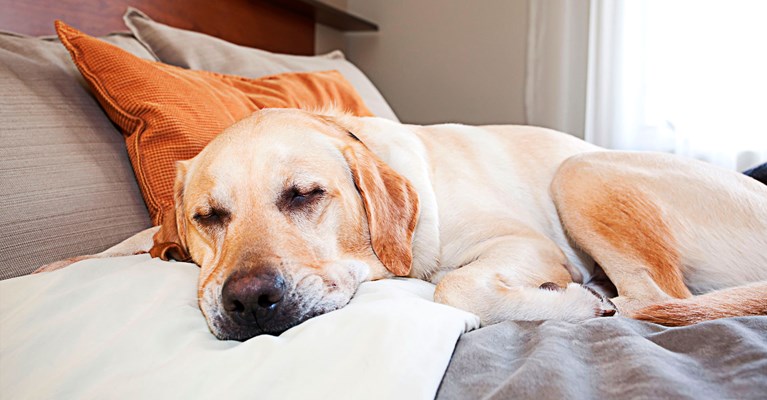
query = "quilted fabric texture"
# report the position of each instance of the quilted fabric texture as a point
(168, 113)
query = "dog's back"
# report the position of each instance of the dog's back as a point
(498, 176)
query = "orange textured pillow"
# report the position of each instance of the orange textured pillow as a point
(168, 113)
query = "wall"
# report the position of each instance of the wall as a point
(444, 60)
(329, 39)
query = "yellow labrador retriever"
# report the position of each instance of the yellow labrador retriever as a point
(288, 211)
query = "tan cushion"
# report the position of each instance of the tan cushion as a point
(67, 186)
(194, 50)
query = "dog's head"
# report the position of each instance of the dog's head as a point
(286, 213)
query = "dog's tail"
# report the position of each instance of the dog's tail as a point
(732, 302)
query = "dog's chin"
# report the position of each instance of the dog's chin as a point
(226, 329)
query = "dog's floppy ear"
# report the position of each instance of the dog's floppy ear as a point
(169, 241)
(391, 205)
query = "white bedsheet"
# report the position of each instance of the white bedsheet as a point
(129, 327)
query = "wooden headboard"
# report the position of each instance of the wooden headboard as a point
(254, 23)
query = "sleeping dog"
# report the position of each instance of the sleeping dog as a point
(288, 211)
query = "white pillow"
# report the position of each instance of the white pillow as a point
(129, 327)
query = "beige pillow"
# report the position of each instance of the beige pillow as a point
(194, 50)
(67, 185)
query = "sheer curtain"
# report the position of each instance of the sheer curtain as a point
(557, 51)
(681, 76)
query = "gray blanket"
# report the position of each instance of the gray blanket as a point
(610, 358)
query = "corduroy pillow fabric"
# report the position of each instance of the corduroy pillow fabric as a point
(168, 113)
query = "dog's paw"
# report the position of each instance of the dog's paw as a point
(585, 303)
(606, 307)
(59, 264)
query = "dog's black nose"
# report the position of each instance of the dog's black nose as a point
(253, 298)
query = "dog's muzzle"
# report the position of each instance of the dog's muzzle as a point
(257, 303)
(270, 298)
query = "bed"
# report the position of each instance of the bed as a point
(129, 327)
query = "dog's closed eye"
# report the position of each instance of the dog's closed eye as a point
(296, 199)
(210, 216)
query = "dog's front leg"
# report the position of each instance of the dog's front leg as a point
(520, 278)
(136, 244)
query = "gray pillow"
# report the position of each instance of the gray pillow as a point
(195, 50)
(67, 185)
